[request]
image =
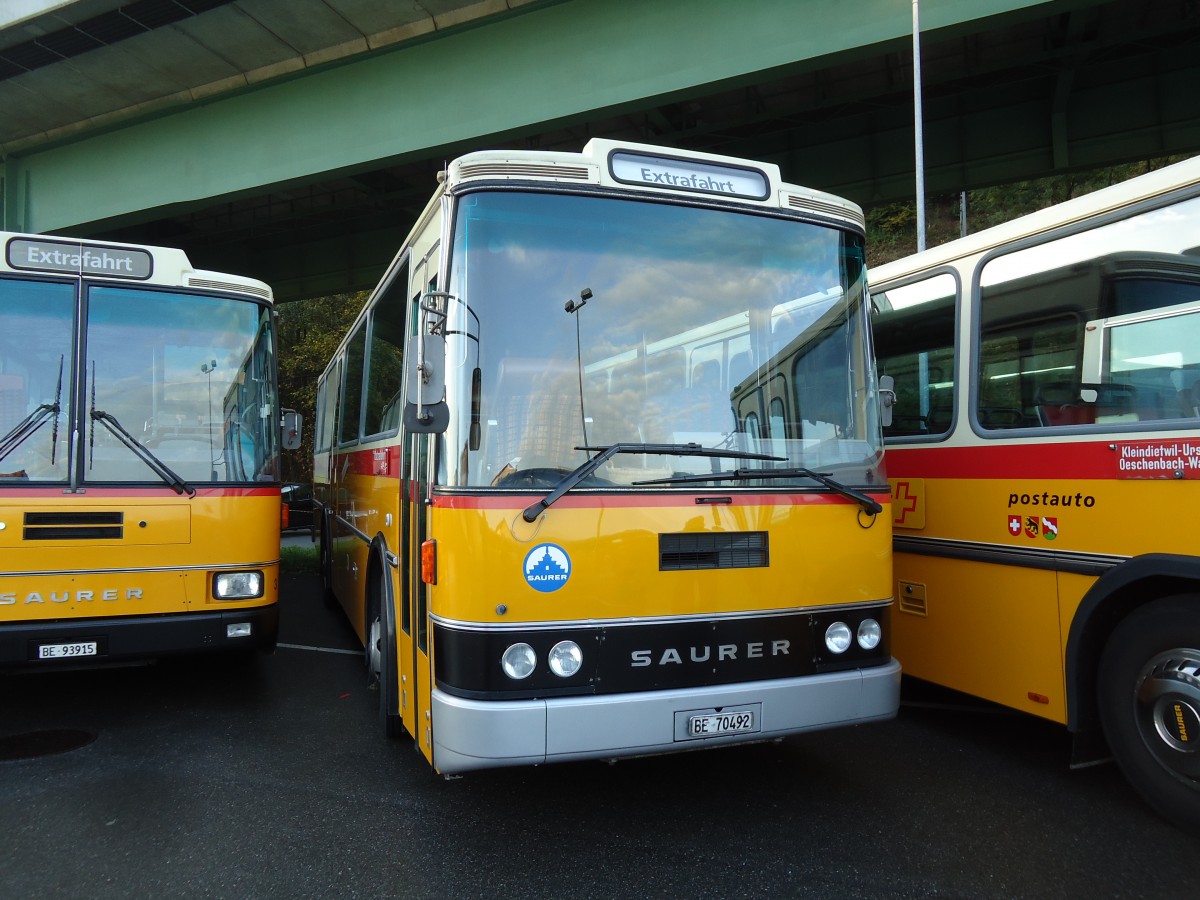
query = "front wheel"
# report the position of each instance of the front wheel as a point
(325, 562)
(380, 658)
(1149, 694)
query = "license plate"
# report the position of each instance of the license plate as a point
(716, 724)
(68, 651)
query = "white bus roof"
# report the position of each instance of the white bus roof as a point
(623, 165)
(41, 254)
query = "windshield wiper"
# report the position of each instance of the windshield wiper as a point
(142, 452)
(867, 503)
(26, 427)
(34, 421)
(604, 454)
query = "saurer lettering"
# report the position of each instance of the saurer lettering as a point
(11, 599)
(719, 653)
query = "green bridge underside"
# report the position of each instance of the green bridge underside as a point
(564, 66)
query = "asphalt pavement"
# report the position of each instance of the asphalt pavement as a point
(211, 778)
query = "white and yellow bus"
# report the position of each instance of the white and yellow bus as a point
(564, 505)
(140, 433)
(1044, 456)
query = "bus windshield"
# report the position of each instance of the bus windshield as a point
(170, 382)
(581, 321)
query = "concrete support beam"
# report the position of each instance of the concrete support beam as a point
(560, 62)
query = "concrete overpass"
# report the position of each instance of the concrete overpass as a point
(294, 140)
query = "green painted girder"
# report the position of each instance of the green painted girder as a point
(553, 63)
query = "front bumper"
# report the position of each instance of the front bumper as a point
(477, 734)
(140, 637)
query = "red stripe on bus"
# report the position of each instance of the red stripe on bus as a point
(1041, 459)
(383, 462)
(117, 493)
(633, 500)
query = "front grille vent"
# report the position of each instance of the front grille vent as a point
(74, 526)
(708, 550)
(210, 284)
(796, 201)
(524, 170)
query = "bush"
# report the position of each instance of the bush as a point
(299, 560)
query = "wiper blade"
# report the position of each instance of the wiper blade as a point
(34, 421)
(26, 427)
(868, 504)
(142, 452)
(604, 454)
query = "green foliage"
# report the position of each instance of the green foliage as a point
(892, 227)
(309, 333)
(298, 560)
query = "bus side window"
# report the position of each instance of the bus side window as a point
(914, 344)
(385, 368)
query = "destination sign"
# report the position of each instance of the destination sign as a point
(683, 174)
(77, 258)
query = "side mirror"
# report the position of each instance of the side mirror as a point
(290, 429)
(425, 411)
(887, 399)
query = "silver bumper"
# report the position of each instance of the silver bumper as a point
(475, 734)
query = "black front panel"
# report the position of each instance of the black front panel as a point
(657, 656)
(137, 637)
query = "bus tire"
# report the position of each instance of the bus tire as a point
(381, 656)
(1149, 693)
(325, 563)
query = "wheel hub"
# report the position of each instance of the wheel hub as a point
(374, 654)
(1178, 723)
(1168, 700)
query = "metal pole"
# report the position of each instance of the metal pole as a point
(917, 125)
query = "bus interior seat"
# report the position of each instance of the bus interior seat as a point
(1059, 403)
(1190, 400)
(1001, 417)
(907, 426)
(1186, 382)
(1116, 403)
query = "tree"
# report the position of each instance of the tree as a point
(309, 333)
(891, 227)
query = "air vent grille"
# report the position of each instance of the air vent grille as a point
(795, 201)
(524, 170)
(212, 285)
(708, 550)
(74, 526)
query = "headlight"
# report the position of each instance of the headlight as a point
(238, 585)
(565, 658)
(518, 661)
(870, 633)
(838, 637)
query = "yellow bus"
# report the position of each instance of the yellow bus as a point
(139, 456)
(555, 533)
(1044, 456)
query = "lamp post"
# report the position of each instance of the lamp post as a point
(919, 142)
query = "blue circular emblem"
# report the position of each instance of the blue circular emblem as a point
(547, 567)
